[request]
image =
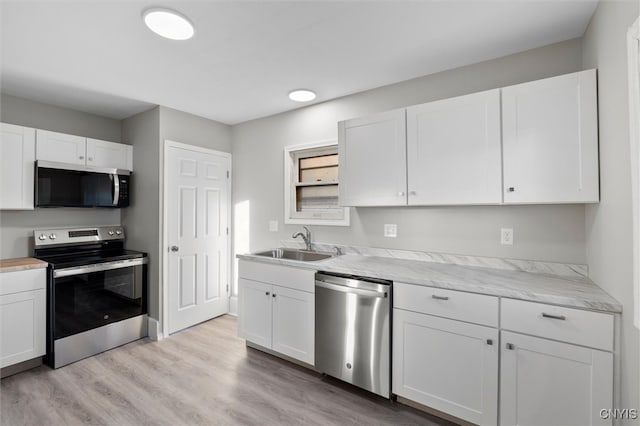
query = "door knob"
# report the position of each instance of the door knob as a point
(175, 248)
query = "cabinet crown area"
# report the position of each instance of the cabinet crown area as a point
(530, 143)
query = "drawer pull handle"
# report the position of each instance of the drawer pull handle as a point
(510, 346)
(435, 296)
(489, 342)
(267, 293)
(558, 317)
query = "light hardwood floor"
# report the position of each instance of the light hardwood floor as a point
(203, 375)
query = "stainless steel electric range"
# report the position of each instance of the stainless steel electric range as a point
(96, 291)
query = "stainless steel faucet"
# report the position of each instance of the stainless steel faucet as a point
(306, 237)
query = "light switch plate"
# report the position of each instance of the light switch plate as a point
(390, 230)
(273, 226)
(506, 236)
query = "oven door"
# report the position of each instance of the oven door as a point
(87, 297)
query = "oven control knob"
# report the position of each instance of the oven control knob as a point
(42, 237)
(111, 232)
(52, 237)
(118, 232)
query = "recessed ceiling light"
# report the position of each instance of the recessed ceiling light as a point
(168, 23)
(302, 95)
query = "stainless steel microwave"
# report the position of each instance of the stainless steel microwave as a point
(69, 185)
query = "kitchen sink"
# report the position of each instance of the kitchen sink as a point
(294, 254)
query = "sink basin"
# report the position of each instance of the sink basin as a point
(293, 254)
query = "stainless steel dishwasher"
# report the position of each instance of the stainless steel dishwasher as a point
(353, 330)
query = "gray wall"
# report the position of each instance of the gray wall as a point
(143, 220)
(29, 113)
(552, 233)
(187, 128)
(608, 225)
(16, 227)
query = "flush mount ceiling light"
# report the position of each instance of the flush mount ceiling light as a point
(302, 95)
(168, 23)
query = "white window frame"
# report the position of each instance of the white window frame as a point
(633, 61)
(290, 174)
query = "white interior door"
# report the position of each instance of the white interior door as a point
(197, 235)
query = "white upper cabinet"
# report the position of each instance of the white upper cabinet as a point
(109, 154)
(453, 151)
(60, 147)
(17, 156)
(71, 149)
(372, 158)
(550, 140)
(532, 143)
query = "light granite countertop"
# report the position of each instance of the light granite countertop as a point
(577, 292)
(21, 264)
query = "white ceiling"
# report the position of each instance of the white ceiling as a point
(97, 56)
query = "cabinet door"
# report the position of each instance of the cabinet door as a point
(372, 160)
(22, 326)
(60, 147)
(293, 323)
(448, 365)
(17, 156)
(454, 152)
(550, 140)
(254, 312)
(109, 154)
(544, 382)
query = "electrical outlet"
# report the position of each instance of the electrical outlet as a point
(506, 236)
(390, 230)
(273, 226)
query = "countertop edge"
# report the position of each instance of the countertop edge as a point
(21, 264)
(526, 294)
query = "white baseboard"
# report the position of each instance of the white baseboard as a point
(233, 306)
(154, 330)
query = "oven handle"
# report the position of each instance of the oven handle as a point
(98, 267)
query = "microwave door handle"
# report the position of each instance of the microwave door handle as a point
(116, 189)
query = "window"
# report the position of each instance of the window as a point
(311, 185)
(633, 46)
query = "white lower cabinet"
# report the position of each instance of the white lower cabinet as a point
(22, 316)
(293, 323)
(277, 317)
(544, 382)
(451, 348)
(254, 312)
(448, 365)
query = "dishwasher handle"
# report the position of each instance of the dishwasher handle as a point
(352, 290)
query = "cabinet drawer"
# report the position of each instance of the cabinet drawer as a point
(285, 276)
(19, 281)
(470, 307)
(587, 328)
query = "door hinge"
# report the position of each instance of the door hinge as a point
(227, 230)
(227, 174)
(227, 288)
